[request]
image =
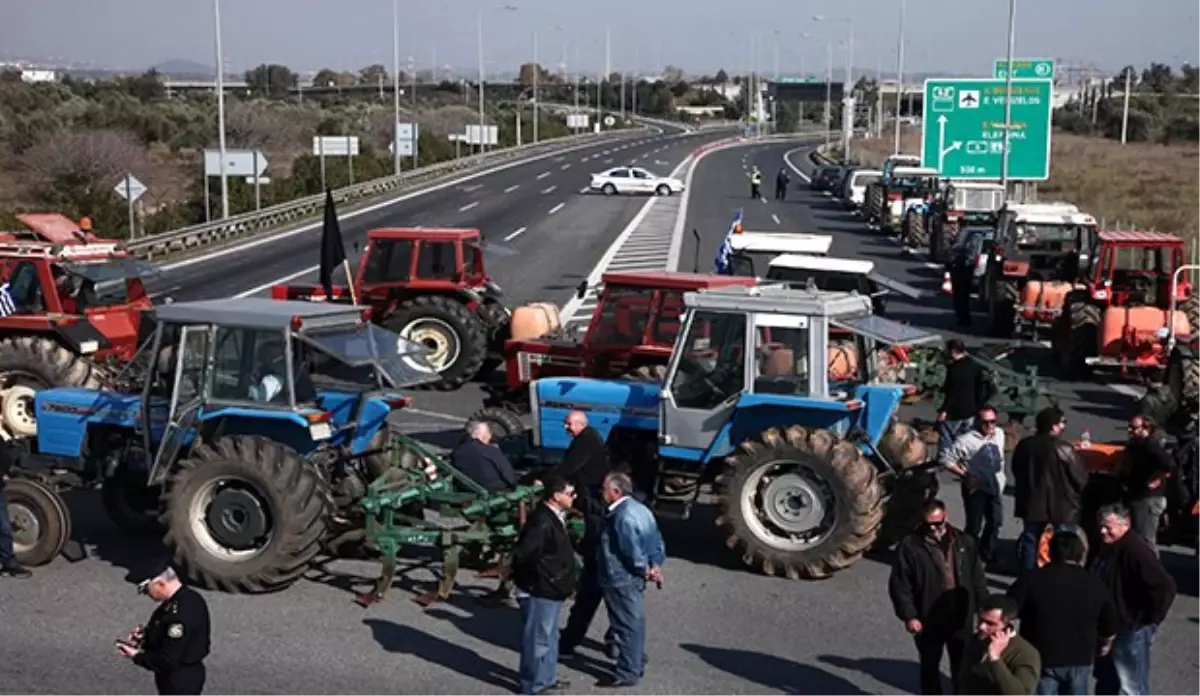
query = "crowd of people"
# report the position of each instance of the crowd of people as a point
(1073, 614)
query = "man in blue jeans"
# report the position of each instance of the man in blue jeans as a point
(543, 571)
(1142, 592)
(631, 551)
(977, 459)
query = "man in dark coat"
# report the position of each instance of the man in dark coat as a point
(482, 461)
(781, 183)
(936, 586)
(1049, 479)
(1150, 470)
(965, 390)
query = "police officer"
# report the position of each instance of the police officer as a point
(781, 183)
(755, 182)
(176, 641)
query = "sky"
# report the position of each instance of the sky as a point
(701, 36)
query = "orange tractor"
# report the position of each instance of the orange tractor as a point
(1130, 306)
(71, 305)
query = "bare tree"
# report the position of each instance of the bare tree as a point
(262, 125)
(81, 165)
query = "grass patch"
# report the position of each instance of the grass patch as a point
(1133, 186)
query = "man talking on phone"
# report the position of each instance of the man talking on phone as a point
(996, 660)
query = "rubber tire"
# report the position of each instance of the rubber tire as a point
(663, 190)
(1191, 309)
(1158, 403)
(497, 323)
(118, 508)
(1082, 336)
(609, 190)
(503, 421)
(300, 503)
(915, 235)
(52, 514)
(1002, 313)
(842, 465)
(472, 336)
(647, 373)
(49, 362)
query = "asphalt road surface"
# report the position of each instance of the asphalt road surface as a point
(715, 628)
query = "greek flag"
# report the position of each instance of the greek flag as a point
(7, 306)
(721, 262)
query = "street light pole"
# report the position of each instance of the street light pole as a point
(536, 69)
(829, 93)
(899, 76)
(396, 86)
(220, 110)
(848, 129)
(479, 45)
(1012, 16)
(1125, 108)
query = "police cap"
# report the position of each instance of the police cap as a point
(159, 569)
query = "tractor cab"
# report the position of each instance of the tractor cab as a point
(1038, 236)
(1134, 268)
(961, 204)
(753, 251)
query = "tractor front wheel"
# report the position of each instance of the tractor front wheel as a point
(1082, 326)
(503, 421)
(41, 525)
(457, 340)
(915, 235)
(245, 514)
(798, 501)
(129, 502)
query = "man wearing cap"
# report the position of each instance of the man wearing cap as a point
(176, 641)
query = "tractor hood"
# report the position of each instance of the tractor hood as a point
(609, 405)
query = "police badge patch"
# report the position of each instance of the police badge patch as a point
(175, 631)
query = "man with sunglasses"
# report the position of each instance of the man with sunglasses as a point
(977, 459)
(936, 585)
(1150, 471)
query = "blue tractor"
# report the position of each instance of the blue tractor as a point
(247, 430)
(806, 469)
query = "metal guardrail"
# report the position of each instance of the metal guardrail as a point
(271, 218)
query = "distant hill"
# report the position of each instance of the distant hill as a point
(179, 67)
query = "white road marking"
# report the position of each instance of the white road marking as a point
(775, 218)
(787, 159)
(472, 187)
(608, 161)
(585, 159)
(514, 235)
(512, 188)
(565, 167)
(468, 206)
(548, 190)
(556, 208)
(543, 175)
(559, 159)
(434, 414)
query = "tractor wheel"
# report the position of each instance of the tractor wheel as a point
(904, 449)
(1002, 310)
(915, 235)
(29, 364)
(1157, 404)
(129, 502)
(457, 340)
(647, 373)
(40, 522)
(497, 322)
(1082, 326)
(503, 421)
(1191, 309)
(245, 514)
(800, 502)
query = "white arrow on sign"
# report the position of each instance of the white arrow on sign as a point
(130, 188)
(942, 149)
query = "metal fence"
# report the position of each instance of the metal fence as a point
(217, 232)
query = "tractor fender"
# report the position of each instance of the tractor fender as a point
(285, 427)
(609, 405)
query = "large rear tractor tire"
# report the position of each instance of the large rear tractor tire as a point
(503, 421)
(457, 340)
(245, 514)
(497, 322)
(29, 364)
(1191, 309)
(1083, 334)
(129, 502)
(904, 449)
(1002, 310)
(799, 502)
(40, 522)
(915, 234)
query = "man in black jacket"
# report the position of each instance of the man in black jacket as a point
(965, 391)
(543, 570)
(1146, 480)
(1142, 592)
(1066, 613)
(9, 567)
(483, 462)
(936, 586)
(1049, 479)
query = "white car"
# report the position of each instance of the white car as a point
(634, 180)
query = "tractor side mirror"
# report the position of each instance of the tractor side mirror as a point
(581, 289)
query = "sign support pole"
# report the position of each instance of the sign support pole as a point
(129, 200)
(1012, 16)
(257, 185)
(321, 150)
(350, 160)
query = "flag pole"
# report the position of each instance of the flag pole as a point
(349, 281)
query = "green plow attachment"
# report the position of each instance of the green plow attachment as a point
(471, 521)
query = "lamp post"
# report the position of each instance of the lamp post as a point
(848, 87)
(536, 69)
(220, 109)
(479, 46)
(1012, 16)
(396, 86)
(899, 76)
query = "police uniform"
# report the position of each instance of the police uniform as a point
(175, 642)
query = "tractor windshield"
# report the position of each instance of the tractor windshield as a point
(623, 316)
(398, 362)
(913, 186)
(117, 269)
(1031, 235)
(107, 283)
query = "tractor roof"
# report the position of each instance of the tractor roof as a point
(449, 234)
(781, 242)
(805, 262)
(902, 172)
(77, 252)
(51, 228)
(673, 280)
(781, 299)
(1140, 238)
(256, 312)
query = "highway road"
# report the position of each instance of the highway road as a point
(714, 629)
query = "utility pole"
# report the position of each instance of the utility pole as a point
(396, 86)
(829, 94)
(1008, 71)
(412, 78)
(537, 68)
(1125, 108)
(479, 45)
(900, 77)
(220, 110)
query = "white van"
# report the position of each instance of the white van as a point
(856, 188)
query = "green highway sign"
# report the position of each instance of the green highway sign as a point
(797, 80)
(963, 128)
(1026, 68)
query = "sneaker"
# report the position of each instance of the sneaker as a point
(16, 570)
(558, 687)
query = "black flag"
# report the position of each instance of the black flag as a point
(332, 251)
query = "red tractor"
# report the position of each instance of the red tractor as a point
(429, 286)
(631, 334)
(70, 305)
(1130, 306)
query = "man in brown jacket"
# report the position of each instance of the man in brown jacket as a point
(1049, 479)
(996, 660)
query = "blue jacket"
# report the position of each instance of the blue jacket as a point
(629, 545)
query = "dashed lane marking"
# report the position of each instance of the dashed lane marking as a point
(543, 175)
(468, 206)
(565, 167)
(608, 161)
(515, 234)
(556, 208)
(775, 218)
(512, 188)
(548, 190)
